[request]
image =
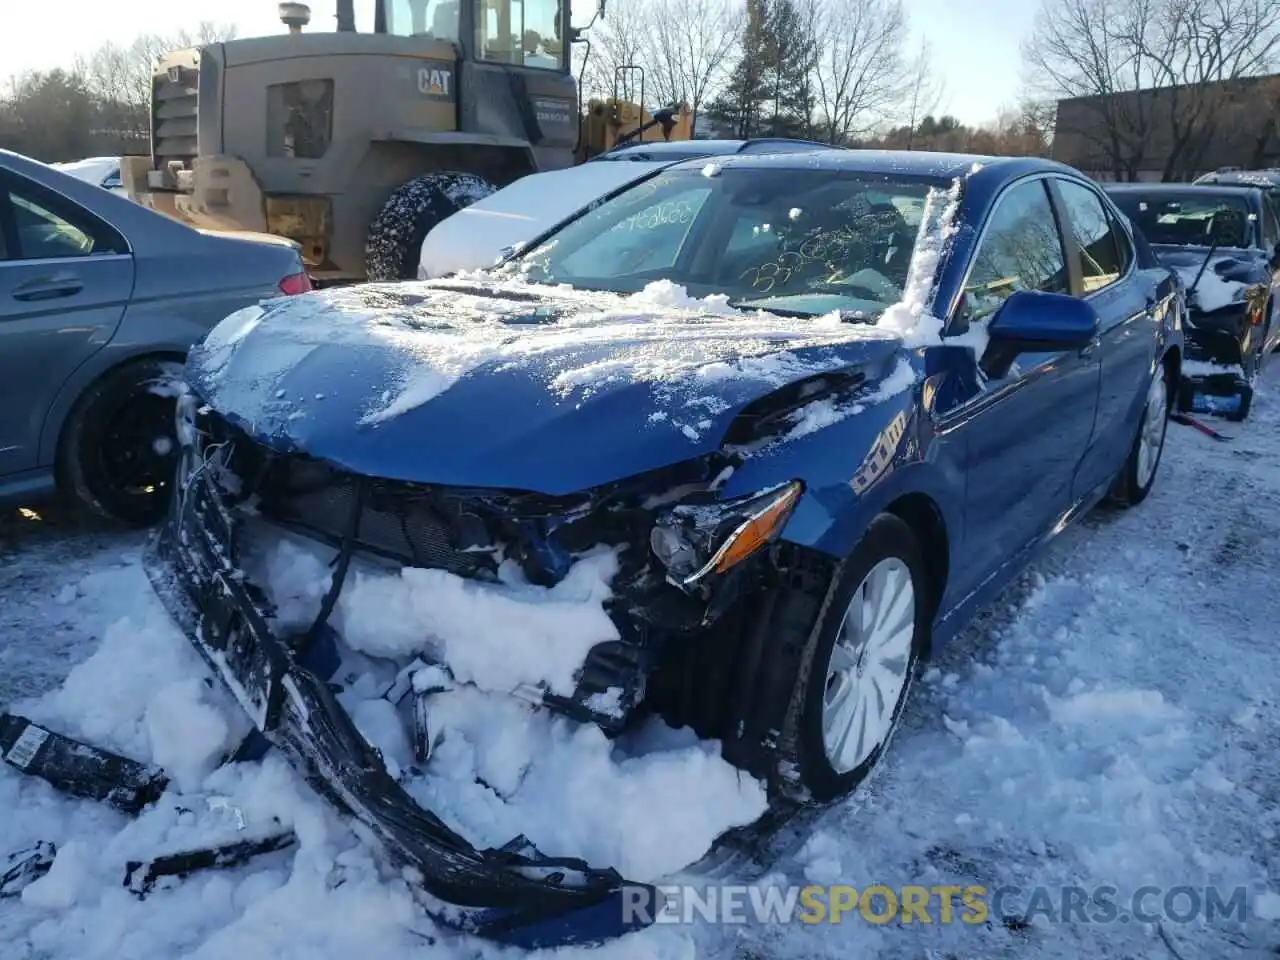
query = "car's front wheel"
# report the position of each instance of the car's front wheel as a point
(119, 447)
(864, 656)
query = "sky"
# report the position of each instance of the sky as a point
(975, 47)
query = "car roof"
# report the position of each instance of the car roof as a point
(1246, 191)
(1269, 176)
(911, 163)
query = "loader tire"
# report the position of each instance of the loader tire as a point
(394, 244)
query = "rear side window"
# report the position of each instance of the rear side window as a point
(1124, 248)
(1102, 260)
(44, 226)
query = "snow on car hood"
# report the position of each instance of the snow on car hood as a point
(510, 384)
(473, 238)
(1219, 286)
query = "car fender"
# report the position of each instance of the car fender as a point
(853, 470)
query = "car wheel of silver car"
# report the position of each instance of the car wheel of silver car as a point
(1139, 471)
(119, 447)
(394, 243)
(862, 655)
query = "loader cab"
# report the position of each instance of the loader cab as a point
(520, 33)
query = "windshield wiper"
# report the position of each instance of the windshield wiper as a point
(846, 316)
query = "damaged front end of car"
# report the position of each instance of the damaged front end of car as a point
(685, 557)
(1221, 346)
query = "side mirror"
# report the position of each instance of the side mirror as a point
(1034, 322)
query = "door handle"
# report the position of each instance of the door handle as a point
(47, 288)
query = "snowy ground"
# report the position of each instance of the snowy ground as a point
(1112, 722)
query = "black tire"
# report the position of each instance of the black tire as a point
(1130, 488)
(394, 244)
(1241, 413)
(811, 619)
(118, 450)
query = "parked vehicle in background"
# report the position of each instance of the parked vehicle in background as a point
(1267, 180)
(100, 171)
(100, 299)
(480, 235)
(356, 142)
(800, 488)
(1224, 242)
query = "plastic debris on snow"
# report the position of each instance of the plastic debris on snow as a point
(144, 693)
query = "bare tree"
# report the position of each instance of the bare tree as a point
(686, 49)
(1196, 47)
(121, 74)
(1134, 72)
(925, 91)
(616, 42)
(1076, 51)
(860, 68)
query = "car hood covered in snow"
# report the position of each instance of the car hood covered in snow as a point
(508, 384)
(474, 237)
(1224, 280)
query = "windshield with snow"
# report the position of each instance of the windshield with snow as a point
(792, 241)
(1186, 220)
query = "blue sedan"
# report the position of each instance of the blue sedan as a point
(825, 406)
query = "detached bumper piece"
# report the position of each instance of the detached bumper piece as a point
(141, 876)
(91, 773)
(78, 768)
(514, 895)
(25, 867)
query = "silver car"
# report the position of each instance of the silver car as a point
(100, 298)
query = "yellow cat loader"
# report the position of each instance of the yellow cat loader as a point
(354, 143)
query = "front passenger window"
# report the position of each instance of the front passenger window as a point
(1021, 250)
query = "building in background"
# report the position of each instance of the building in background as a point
(1172, 133)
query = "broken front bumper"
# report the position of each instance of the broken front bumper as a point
(514, 895)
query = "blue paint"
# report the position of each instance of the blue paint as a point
(1003, 461)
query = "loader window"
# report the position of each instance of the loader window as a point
(300, 119)
(437, 19)
(522, 32)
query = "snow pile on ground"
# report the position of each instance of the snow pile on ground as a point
(500, 769)
(1112, 721)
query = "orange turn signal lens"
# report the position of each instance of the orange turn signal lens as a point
(757, 530)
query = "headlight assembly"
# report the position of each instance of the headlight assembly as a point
(695, 542)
